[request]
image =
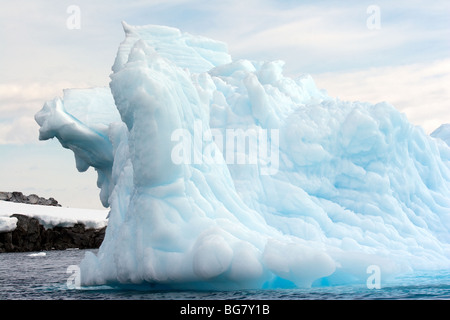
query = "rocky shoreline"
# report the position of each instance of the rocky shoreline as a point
(31, 235)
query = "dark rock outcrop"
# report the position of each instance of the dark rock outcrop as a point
(30, 235)
(19, 197)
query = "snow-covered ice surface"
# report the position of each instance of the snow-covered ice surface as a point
(321, 190)
(50, 216)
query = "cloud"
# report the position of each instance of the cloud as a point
(331, 36)
(18, 105)
(22, 130)
(49, 171)
(419, 90)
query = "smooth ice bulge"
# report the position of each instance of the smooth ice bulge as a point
(224, 174)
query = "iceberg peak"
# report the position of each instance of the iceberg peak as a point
(198, 54)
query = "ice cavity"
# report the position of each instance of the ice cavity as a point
(340, 186)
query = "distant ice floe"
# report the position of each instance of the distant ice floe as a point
(37, 254)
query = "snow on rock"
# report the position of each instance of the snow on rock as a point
(28, 227)
(51, 216)
(7, 224)
(225, 174)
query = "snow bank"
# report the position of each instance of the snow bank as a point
(50, 216)
(227, 174)
(7, 224)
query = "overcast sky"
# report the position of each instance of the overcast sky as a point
(395, 51)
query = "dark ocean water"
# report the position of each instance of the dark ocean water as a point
(46, 277)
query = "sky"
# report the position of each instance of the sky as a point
(373, 51)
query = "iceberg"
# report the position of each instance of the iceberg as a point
(226, 174)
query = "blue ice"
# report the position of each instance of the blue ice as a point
(226, 174)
